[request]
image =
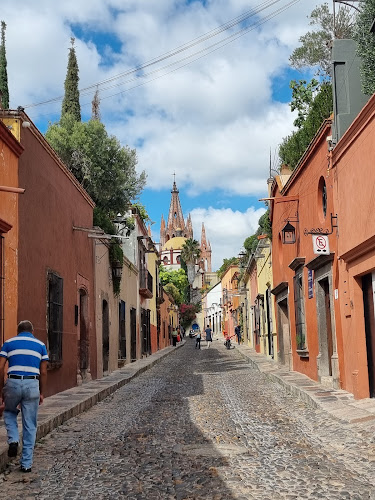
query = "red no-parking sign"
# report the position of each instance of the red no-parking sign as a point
(320, 244)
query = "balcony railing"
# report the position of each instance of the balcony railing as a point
(160, 296)
(145, 284)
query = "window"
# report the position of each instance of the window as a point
(299, 308)
(55, 317)
(165, 260)
(322, 199)
(178, 260)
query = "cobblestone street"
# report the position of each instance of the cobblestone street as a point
(202, 424)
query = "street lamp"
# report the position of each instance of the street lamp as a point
(117, 269)
(288, 234)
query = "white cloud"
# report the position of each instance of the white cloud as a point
(226, 230)
(213, 95)
(213, 121)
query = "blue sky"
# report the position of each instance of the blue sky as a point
(210, 113)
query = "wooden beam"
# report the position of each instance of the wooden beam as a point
(12, 189)
(281, 199)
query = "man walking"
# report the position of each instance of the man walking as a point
(208, 332)
(237, 331)
(27, 376)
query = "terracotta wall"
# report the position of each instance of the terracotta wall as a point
(53, 203)
(229, 303)
(300, 201)
(354, 180)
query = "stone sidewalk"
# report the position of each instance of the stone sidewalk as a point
(340, 404)
(67, 404)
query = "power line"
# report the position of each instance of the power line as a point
(188, 45)
(218, 46)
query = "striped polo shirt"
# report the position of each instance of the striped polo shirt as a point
(24, 354)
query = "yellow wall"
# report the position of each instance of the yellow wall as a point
(152, 257)
(14, 125)
(264, 279)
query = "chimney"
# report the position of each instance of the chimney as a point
(348, 98)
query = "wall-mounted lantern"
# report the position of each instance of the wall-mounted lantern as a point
(288, 234)
(117, 269)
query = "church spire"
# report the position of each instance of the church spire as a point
(175, 223)
(205, 250)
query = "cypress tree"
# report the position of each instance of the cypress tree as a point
(71, 98)
(4, 91)
(95, 106)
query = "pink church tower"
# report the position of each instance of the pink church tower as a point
(205, 251)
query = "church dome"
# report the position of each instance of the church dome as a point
(175, 243)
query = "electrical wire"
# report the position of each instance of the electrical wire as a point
(221, 44)
(92, 88)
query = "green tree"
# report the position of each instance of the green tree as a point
(293, 146)
(70, 104)
(142, 212)
(264, 227)
(303, 94)
(314, 50)
(190, 252)
(174, 292)
(178, 278)
(4, 90)
(225, 265)
(366, 45)
(105, 169)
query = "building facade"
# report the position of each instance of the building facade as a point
(306, 277)
(55, 258)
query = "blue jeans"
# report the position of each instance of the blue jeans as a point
(26, 394)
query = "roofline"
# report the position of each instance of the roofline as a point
(307, 154)
(21, 115)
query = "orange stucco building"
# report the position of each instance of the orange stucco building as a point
(353, 175)
(306, 279)
(10, 151)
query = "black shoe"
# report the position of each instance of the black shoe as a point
(25, 469)
(12, 450)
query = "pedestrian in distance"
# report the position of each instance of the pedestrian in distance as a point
(198, 340)
(174, 337)
(24, 388)
(208, 332)
(237, 331)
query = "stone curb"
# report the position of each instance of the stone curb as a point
(65, 405)
(340, 404)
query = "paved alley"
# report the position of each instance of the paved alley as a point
(201, 424)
